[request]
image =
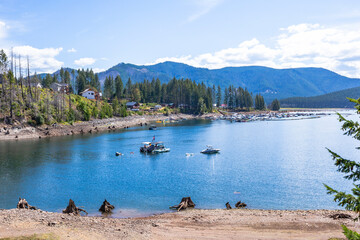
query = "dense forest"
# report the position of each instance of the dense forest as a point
(331, 100)
(23, 99)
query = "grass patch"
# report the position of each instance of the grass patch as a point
(46, 236)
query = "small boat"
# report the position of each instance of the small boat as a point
(118, 154)
(160, 148)
(154, 147)
(189, 154)
(210, 150)
(152, 127)
(147, 147)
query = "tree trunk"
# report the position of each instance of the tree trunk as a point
(106, 207)
(186, 202)
(239, 204)
(23, 204)
(71, 208)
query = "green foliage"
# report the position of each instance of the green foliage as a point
(109, 87)
(275, 105)
(70, 116)
(351, 235)
(259, 102)
(331, 100)
(106, 111)
(351, 169)
(83, 107)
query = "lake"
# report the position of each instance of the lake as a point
(266, 164)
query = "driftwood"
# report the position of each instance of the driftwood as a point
(106, 207)
(71, 208)
(339, 215)
(185, 203)
(23, 204)
(240, 204)
(228, 207)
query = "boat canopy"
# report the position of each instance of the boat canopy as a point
(146, 143)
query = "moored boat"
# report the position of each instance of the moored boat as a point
(154, 147)
(210, 150)
(152, 127)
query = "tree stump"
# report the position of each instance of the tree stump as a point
(23, 204)
(71, 208)
(186, 202)
(240, 204)
(106, 207)
(228, 207)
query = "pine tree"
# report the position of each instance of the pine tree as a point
(351, 169)
(275, 105)
(218, 97)
(119, 87)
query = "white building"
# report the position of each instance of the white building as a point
(90, 94)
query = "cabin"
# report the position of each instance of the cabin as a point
(132, 105)
(91, 94)
(35, 85)
(157, 107)
(60, 87)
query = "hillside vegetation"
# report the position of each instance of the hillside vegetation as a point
(271, 83)
(336, 99)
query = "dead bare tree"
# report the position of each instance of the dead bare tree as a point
(21, 79)
(28, 78)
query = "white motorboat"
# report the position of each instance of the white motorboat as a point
(210, 150)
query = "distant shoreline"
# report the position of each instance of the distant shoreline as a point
(188, 224)
(16, 132)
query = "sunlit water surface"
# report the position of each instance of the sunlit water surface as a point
(266, 164)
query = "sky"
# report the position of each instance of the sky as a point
(202, 33)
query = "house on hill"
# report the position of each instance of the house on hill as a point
(37, 85)
(60, 87)
(91, 94)
(132, 105)
(157, 107)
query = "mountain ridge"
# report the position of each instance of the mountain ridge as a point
(270, 82)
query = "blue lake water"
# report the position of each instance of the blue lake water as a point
(266, 164)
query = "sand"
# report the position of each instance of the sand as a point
(188, 224)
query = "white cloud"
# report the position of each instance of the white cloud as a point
(85, 61)
(3, 30)
(302, 45)
(72, 50)
(40, 60)
(203, 6)
(97, 70)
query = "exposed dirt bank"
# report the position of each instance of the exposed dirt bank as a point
(189, 224)
(8, 132)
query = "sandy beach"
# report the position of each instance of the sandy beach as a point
(188, 224)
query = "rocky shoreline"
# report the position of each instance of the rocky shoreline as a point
(188, 224)
(8, 132)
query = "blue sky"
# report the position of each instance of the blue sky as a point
(202, 33)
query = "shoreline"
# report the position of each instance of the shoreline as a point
(8, 132)
(25, 131)
(187, 224)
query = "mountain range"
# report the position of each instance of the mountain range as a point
(271, 83)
